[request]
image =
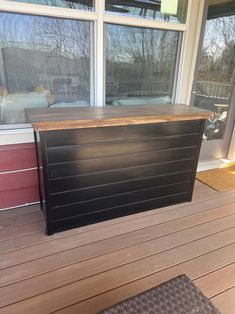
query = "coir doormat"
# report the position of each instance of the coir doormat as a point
(176, 296)
(221, 179)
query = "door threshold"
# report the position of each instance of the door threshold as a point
(212, 164)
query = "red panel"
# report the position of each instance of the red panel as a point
(16, 157)
(21, 187)
(18, 180)
(19, 197)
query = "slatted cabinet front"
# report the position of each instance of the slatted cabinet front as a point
(94, 174)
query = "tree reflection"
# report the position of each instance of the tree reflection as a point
(216, 73)
(140, 61)
(46, 56)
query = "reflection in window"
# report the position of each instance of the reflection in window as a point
(169, 11)
(44, 62)
(140, 65)
(70, 4)
(217, 69)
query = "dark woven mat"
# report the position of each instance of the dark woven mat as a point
(177, 296)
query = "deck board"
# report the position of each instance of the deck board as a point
(63, 259)
(194, 268)
(220, 280)
(76, 272)
(20, 236)
(225, 301)
(87, 269)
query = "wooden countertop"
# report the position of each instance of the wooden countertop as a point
(87, 117)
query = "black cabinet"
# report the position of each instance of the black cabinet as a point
(89, 175)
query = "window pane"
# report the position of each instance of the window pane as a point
(72, 4)
(140, 65)
(44, 62)
(217, 69)
(164, 10)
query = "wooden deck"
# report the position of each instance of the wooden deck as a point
(87, 269)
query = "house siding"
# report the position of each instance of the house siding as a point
(18, 175)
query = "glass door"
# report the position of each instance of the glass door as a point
(214, 78)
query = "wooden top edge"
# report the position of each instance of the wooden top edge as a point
(65, 118)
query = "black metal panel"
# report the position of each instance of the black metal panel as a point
(118, 162)
(202, 127)
(100, 204)
(120, 133)
(44, 180)
(39, 169)
(89, 175)
(99, 178)
(117, 148)
(99, 191)
(111, 213)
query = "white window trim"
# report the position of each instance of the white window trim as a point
(140, 22)
(189, 51)
(45, 10)
(18, 136)
(99, 54)
(190, 41)
(231, 152)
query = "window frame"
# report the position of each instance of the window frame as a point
(186, 60)
(176, 63)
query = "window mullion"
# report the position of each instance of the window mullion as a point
(189, 51)
(99, 54)
(139, 22)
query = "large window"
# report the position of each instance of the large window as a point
(140, 65)
(44, 62)
(73, 53)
